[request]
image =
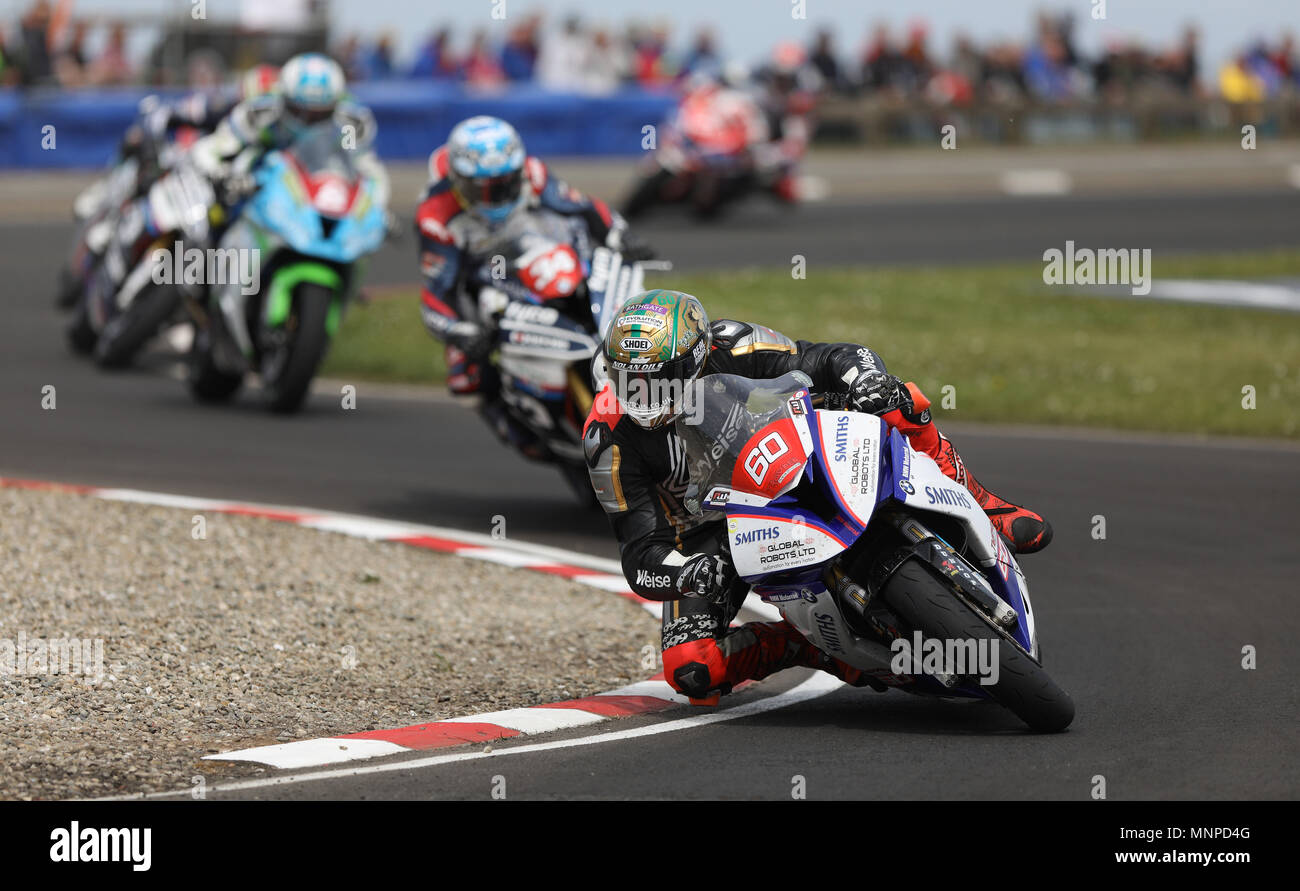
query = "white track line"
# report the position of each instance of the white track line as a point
(1036, 182)
(819, 684)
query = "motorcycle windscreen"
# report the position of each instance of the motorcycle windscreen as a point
(735, 429)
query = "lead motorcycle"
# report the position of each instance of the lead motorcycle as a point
(864, 545)
(549, 297)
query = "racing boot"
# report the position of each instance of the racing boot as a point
(786, 189)
(704, 666)
(464, 375)
(1025, 530)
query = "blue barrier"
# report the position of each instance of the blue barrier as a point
(413, 118)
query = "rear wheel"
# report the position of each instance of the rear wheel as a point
(1024, 688)
(125, 334)
(290, 363)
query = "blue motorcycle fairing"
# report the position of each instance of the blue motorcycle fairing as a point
(281, 206)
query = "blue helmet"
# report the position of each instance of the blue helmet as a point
(311, 85)
(485, 160)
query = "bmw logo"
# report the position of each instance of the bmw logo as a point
(906, 487)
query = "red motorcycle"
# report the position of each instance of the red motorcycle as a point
(706, 156)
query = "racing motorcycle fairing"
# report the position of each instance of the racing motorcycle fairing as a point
(855, 473)
(777, 539)
(536, 352)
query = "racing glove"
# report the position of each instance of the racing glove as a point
(631, 246)
(235, 187)
(468, 337)
(707, 577)
(876, 393)
(636, 248)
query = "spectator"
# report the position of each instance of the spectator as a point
(823, 59)
(1184, 68)
(649, 61)
(1046, 73)
(1238, 84)
(605, 64)
(349, 56)
(112, 67)
(481, 68)
(562, 62)
(703, 56)
(882, 64)
(377, 62)
(1283, 59)
(519, 55)
(70, 61)
(917, 66)
(435, 60)
(37, 66)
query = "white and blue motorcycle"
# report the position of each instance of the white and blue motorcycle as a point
(865, 546)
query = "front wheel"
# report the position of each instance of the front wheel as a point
(126, 333)
(206, 381)
(80, 332)
(646, 194)
(295, 350)
(1024, 688)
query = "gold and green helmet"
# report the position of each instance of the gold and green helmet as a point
(655, 349)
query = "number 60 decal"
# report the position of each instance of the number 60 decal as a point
(760, 457)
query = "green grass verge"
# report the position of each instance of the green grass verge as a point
(1012, 349)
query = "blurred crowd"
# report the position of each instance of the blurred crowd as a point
(574, 56)
(47, 46)
(890, 63)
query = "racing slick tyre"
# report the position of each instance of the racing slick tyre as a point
(647, 193)
(125, 334)
(707, 196)
(207, 382)
(1023, 687)
(81, 335)
(69, 288)
(288, 368)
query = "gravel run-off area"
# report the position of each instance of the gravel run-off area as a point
(261, 632)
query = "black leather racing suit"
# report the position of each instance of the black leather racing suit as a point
(640, 478)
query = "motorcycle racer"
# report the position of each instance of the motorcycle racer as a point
(157, 124)
(479, 182)
(786, 89)
(661, 343)
(202, 111)
(310, 89)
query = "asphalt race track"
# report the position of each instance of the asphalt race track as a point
(1144, 628)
